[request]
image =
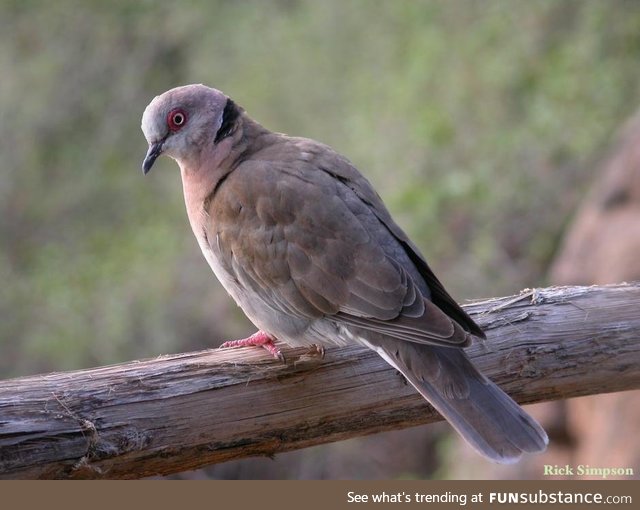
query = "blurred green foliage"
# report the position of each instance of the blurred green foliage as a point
(478, 122)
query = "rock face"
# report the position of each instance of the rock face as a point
(603, 246)
(603, 243)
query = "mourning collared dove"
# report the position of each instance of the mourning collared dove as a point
(304, 245)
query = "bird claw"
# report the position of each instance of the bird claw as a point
(260, 339)
(316, 350)
(403, 377)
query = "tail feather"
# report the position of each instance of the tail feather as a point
(489, 420)
(486, 417)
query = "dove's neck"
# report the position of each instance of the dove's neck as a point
(200, 179)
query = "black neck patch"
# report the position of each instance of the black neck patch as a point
(229, 116)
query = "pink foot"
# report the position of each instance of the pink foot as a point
(260, 339)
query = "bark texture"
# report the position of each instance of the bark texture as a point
(184, 411)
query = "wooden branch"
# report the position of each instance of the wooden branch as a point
(188, 410)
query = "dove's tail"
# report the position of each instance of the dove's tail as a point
(486, 417)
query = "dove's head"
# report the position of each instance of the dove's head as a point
(184, 121)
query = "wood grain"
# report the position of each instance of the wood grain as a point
(184, 411)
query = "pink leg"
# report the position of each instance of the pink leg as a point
(259, 338)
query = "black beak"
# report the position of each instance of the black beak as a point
(155, 149)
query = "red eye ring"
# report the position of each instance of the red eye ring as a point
(176, 119)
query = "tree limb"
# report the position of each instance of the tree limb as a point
(184, 411)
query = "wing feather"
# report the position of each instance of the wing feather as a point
(316, 248)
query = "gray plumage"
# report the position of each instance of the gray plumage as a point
(305, 246)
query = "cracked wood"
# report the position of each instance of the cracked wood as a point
(184, 411)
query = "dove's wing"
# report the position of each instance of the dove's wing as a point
(315, 245)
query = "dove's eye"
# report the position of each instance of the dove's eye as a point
(176, 119)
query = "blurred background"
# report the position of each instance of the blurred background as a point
(501, 134)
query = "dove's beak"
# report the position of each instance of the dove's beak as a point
(155, 149)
